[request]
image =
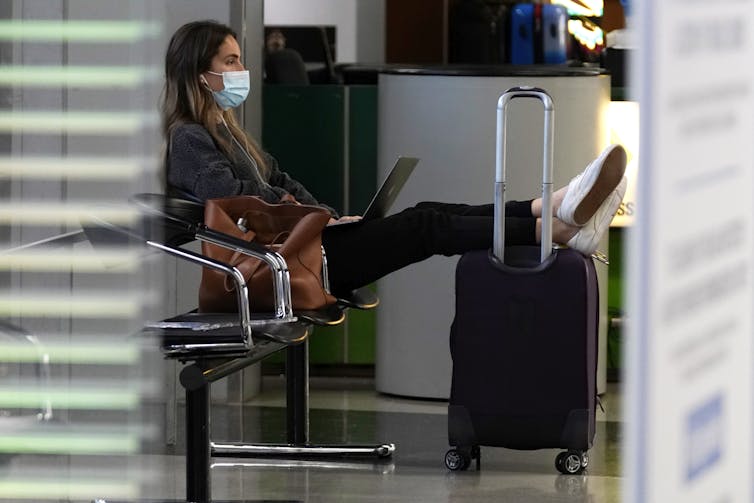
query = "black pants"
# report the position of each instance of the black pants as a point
(363, 252)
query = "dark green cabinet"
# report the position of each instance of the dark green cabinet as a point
(326, 138)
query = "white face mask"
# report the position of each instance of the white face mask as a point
(235, 89)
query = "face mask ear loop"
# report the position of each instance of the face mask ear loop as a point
(204, 83)
(206, 86)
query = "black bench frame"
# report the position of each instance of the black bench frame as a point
(209, 359)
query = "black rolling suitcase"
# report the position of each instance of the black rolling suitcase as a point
(524, 339)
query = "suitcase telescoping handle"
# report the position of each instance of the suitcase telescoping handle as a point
(498, 245)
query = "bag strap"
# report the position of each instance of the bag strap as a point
(246, 267)
(311, 226)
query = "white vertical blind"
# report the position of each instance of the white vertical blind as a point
(79, 134)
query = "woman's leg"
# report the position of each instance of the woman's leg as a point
(512, 208)
(361, 253)
(557, 200)
(561, 232)
(524, 209)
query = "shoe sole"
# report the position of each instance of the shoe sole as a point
(613, 201)
(604, 222)
(611, 173)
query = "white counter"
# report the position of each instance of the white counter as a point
(448, 120)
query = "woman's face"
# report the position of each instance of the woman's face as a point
(227, 59)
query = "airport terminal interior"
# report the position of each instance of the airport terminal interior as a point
(104, 374)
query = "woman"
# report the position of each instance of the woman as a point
(209, 155)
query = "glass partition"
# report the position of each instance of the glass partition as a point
(79, 134)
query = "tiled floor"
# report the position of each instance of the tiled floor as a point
(350, 411)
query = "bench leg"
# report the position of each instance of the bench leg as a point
(297, 422)
(297, 393)
(197, 445)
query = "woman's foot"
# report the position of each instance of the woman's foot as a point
(586, 192)
(589, 235)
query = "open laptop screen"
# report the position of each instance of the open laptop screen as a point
(387, 193)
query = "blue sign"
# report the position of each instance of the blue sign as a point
(704, 432)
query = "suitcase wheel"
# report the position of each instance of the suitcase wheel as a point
(458, 459)
(571, 462)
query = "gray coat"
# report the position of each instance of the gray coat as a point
(196, 165)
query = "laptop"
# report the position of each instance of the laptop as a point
(389, 190)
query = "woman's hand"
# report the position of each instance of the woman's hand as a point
(344, 219)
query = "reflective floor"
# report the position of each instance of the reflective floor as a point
(349, 410)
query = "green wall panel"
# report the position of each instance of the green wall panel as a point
(616, 269)
(615, 306)
(362, 134)
(306, 128)
(361, 337)
(327, 345)
(362, 165)
(303, 127)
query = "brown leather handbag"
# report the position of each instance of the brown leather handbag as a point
(292, 230)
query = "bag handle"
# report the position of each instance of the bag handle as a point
(314, 222)
(498, 244)
(246, 268)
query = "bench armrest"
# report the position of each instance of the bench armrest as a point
(281, 280)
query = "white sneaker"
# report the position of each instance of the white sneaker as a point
(587, 190)
(588, 237)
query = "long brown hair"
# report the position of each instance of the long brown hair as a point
(185, 99)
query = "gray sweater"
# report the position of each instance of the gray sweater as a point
(196, 165)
